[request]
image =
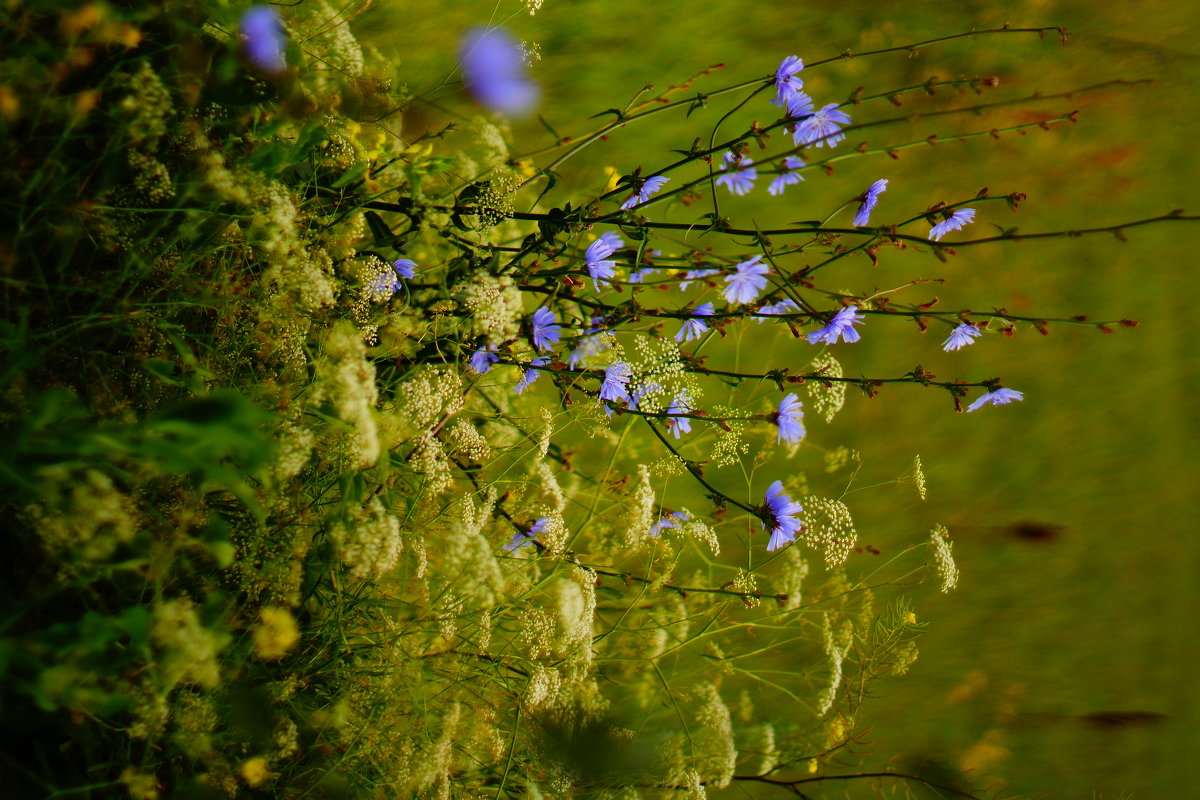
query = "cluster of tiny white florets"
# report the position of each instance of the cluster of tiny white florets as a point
(547, 431)
(715, 749)
(467, 559)
(147, 106)
(554, 533)
(151, 179)
(765, 748)
(89, 518)
(747, 582)
(658, 374)
(826, 400)
(187, 652)
(437, 763)
(729, 445)
(576, 602)
(639, 514)
(434, 393)
(495, 305)
(369, 542)
(837, 645)
(326, 34)
(295, 448)
(493, 143)
(430, 462)
(828, 524)
(346, 379)
(917, 473)
(548, 486)
(943, 557)
(465, 439)
(697, 529)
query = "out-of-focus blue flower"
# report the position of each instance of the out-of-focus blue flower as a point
(822, 129)
(520, 539)
(842, 325)
(747, 282)
(958, 219)
(639, 275)
(784, 525)
(493, 70)
(693, 328)
(786, 179)
(788, 417)
(672, 520)
(649, 187)
(545, 329)
(869, 199)
(616, 381)
(597, 251)
(531, 374)
(963, 335)
(694, 274)
(786, 82)
(483, 358)
(263, 38)
(785, 306)
(799, 106)
(388, 283)
(738, 175)
(679, 425)
(591, 343)
(1000, 397)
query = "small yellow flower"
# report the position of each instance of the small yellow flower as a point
(276, 634)
(910, 618)
(255, 772)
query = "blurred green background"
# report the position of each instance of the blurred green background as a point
(1074, 514)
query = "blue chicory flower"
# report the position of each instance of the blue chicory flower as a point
(823, 128)
(531, 374)
(747, 281)
(648, 188)
(784, 306)
(841, 325)
(782, 510)
(520, 539)
(786, 82)
(639, 275)
(957, 221)
(999, 397)
(597, 251)
(545, 329)
(679, 425)
(616, 381)
(788, 417)
(694, 274)
(868, 201)
(263, 38)
(483, 358)
(693, 328)
(960, 337)
(738, 175)
(493, 70)
(671, 520)
(799, 106)
(786, 179)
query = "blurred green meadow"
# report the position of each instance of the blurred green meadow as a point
(1062, 665)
